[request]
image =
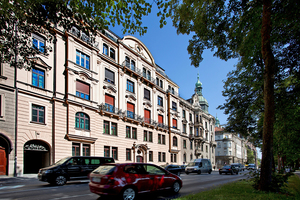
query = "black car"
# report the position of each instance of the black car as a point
(183, 168)
(73, 167)
(228, 169)
(175, 169)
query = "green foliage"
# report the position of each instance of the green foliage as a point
(278, 183)
(250, 156)
(19, 19)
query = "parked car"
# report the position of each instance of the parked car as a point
(175, 169)
(127, 180)
(239, 166)
(183, 168)
(73, 167)
(228, 169)
(199, 166)
(251, 166)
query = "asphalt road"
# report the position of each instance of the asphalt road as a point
(31, 188)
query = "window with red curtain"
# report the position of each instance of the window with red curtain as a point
(82, 90)
(147, 116)
(160, 119)
(174, 123)
(130, 110)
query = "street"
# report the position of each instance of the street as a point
(31, 188)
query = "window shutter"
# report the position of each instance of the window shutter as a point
(147, 114)
(109, 100)
(130, 107)
(160, 119)
(82, 87)
(174, 123)
(109, 74)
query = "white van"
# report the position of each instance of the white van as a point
(199, 166)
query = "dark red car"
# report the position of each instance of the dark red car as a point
(129, 179)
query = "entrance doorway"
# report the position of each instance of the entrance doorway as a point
(36, 156)
(5, 149)
(3, 161)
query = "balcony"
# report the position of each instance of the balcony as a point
(110, 110)
(213, 143)
(132, 68)
(81, 35)
(191, 136)
(163, 126)
(198, 152)
(199, 137)
(131, 116)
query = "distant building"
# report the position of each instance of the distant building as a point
(231, 147)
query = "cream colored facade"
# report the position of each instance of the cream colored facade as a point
(105, 98)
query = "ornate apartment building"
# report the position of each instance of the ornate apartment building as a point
(231, 148)
(102, 98)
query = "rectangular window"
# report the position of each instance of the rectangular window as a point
(174, 106)
(164, 157)
(151, 156)
(105, 49)
(150, 137)
(191, 130)
(163, 138)
(159, 138)
(161, 83)
(130, 110)
(147, 118)
(75, 149)
(38, 78)
(106, 127)
(114, 129)
(128, 135)
(183, 114)
(109, 76)
(206, 147)
(115, 153)
(110, 103)
(106, 151)
(38, 114)
(145, 135)
(191, 117)
(159, 156)
(86, 150)
(184, 128)
(1, 106)
(160, 119)
(191, 145)
(128, 154)
(82, 59)
(146, 94)
(130, 86)
(38, 43)
(159, 101)
(82, 90)
(157, 81)
(134, 133)
(184, 144)
(174, 123)
(112, 53)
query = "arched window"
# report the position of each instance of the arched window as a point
(105, 49)
(175, 141)
(133, 65)
(82, 121)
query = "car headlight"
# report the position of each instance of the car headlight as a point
(195, 168)
(48, 171)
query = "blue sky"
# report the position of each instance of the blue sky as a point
(170, 52)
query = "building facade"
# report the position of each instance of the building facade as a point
(102, 97)
(231, 148)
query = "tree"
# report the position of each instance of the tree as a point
(250, 156)
(20, 18)
(256, 32)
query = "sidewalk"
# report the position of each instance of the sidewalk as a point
(11, 179)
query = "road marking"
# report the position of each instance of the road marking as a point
(74, 196)
(11, 187)
(27, 190)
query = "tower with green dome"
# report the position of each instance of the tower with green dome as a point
(202, 101)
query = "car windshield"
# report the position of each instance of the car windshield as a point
(234, 165)
(61, 161)
(251, 165)
(105, 170)
(191, 164)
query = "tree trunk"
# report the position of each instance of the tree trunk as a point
(268, 57)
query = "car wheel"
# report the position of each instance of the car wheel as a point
(209, 171)
(60, 180)
(231, 173)
(199, 172)
(178, 174)
(176, 187)
(128, 194)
